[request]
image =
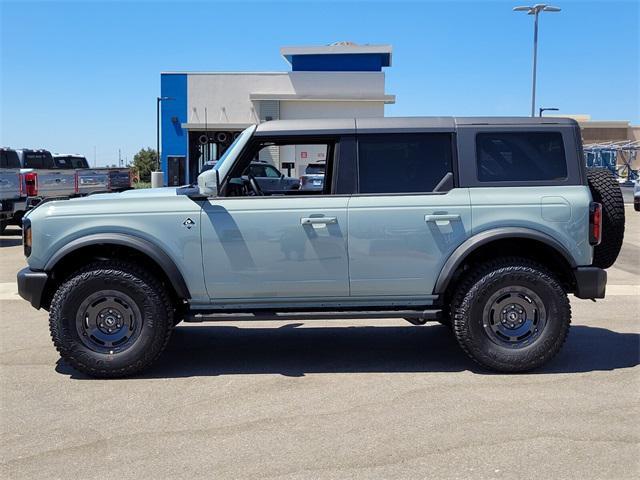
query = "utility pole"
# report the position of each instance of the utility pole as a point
(159, 99)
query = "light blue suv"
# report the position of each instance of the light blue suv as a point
(482, 224)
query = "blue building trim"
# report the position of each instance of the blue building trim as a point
(356, 62)
(173, 113)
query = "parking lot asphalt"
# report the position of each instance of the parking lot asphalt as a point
(342, 399)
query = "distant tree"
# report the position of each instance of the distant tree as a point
(145, 162)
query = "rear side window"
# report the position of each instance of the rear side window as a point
(38, 160)
(71, 162)
(403, 163)
(520, 156)
(9, 159)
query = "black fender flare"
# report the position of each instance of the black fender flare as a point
(157, 254)
(471, 244)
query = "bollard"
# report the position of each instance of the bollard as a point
(157, 179)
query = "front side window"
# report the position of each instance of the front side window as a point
(262, 159)
(403, 163)
(520, 156)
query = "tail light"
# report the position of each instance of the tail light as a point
(76, 186)
(26, 236)
(22, 187)
(595, 223)
(31, 184)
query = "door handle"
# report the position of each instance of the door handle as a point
(441, 217)
(318, 220)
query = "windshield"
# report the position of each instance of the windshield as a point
(225, 162)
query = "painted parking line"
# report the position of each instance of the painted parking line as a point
(9, 291)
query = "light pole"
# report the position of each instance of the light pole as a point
(159, 99)
(546, 109)
(535, 10)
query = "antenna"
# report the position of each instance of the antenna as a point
(206, 131)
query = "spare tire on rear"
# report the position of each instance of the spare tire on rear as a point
(606, 191)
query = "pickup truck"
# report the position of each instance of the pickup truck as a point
(119, 179)
(269, 177)
(12, 199)
(482, 224)
(88, 180)
(41, 179)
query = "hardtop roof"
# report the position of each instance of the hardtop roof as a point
(408, 124)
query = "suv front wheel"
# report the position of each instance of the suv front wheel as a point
(110, 319)
(511, 315)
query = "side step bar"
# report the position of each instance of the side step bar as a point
(416, 317)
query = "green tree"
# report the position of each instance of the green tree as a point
(144, 162)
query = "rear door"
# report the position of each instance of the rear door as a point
(408, 215)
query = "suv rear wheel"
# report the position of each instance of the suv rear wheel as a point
(511, 315)
(110, 319)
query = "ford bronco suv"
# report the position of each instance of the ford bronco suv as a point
(482, 224)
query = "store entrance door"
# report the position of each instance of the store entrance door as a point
(176, 170)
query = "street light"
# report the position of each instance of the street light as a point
(546, 109)
(535, 10)
(159, 99)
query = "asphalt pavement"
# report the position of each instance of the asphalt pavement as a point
(341, 399)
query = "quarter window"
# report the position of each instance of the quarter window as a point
(403, 163)
(516, 157)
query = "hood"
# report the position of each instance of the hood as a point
(130, 201)
(134, 193)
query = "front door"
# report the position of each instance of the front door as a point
(287, 248)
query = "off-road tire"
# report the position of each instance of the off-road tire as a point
(606, 191)
(472, 295)
(149, 296)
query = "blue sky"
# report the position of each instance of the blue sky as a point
(79, 75)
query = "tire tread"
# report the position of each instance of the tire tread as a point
(124, 272)
(468, 289)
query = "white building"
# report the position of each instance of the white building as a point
(201, 111)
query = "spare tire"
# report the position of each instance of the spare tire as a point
(606, 191)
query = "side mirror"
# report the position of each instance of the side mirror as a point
(209, 183)
(282, 176)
